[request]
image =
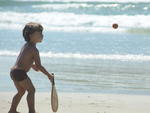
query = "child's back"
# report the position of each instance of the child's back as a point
(25, 58)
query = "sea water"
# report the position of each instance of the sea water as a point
(80, 46)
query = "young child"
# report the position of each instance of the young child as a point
(29, 54)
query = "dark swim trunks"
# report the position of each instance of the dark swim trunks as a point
(18, 74)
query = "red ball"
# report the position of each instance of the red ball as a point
(115, 26)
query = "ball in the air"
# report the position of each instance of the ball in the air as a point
(115, 26)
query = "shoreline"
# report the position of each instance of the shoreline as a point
(82, 103)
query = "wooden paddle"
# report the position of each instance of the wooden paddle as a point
(54, 97)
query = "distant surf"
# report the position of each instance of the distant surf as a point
(89, 0)
(127, 57)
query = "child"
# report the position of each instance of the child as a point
(29, 54)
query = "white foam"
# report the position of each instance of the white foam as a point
(128, 57)
(73, 5)
(56, 21)
(8, 53)
(62, 6)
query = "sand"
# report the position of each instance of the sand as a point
(82, 103)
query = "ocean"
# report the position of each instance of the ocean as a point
(80, 46)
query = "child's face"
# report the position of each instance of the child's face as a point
(36, 37)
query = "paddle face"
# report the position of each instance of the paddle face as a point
(54, 98)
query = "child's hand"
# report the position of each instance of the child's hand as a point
(51, 77)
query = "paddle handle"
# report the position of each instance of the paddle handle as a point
(53, 81)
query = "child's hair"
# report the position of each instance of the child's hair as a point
(31, 28)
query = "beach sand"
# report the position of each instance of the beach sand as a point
(82, 103)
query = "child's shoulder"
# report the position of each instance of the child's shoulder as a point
(34, 50)
(31, 48)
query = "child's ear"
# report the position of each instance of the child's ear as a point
(30, 35)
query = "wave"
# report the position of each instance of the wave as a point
(124, 1)
(128, 57)
(96, 8)
(74, 5)
(56, 21)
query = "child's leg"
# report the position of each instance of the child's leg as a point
(27, 84)
(31, 97)
(17, 97)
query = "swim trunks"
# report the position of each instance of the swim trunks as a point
(18, 74)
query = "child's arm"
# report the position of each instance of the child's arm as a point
(34, 67)
(39, 65)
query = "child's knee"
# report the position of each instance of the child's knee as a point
(21, 92)
(32, 90)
